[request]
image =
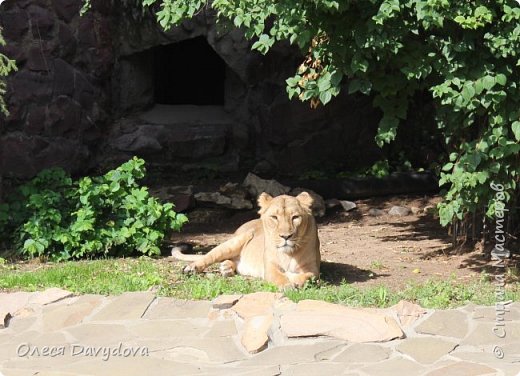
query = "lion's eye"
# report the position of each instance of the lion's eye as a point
(295, 217)
(274, 217)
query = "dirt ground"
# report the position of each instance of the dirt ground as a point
(363, 249)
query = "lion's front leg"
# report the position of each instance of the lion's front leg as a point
(195, 267)
(274, 275)
(299, 279)
(228, 250)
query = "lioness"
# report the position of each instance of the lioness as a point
(281, 247)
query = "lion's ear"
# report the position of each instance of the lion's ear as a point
(264, 200)
(305, 200)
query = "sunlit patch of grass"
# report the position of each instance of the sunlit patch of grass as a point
(111, 276)
(210, 286)
(115, 276)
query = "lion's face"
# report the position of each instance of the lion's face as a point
(285, 220)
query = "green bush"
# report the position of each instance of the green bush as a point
(53, 216)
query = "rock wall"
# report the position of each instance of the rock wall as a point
(270, 133)
(59, 99)
(82, 79)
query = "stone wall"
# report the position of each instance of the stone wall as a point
(59, 98)
(80, 82)
(270, 133)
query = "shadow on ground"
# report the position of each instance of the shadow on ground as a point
(335, 273)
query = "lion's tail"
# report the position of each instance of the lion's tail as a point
(178, 253)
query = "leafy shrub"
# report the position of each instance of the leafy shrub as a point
(56, 217)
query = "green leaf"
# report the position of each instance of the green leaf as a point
(447, 167)
(468, 92)
(501, 79)
(479, 87)
(324, 84)
(238, 21)
(516, 130)
(114, 186)
(460, 19)
(446, 214)
(325, 97)
(387, 130)
(488, 82)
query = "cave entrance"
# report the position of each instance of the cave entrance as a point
(188, 72)
(172, 101)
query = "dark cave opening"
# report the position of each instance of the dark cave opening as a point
(188, 72)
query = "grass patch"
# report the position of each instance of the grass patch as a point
(431, 294)
(115, 276)
(210, 286)
(111, 276)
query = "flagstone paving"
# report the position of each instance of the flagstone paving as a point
(262, 334)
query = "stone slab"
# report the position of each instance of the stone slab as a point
(487, 356)
(24, 372)
(292, 354)
(99, 333)
(426, 350)
(62, 316)
(490, 313)
(170, 308)
(313, 369)
(167, 328)
(363, 353)
(254, 333)
(256, 304)
(394, 367)
(138, 366)
(49, 296)
(211, 350)
(449, 323)
(223, 328)
(245, 371)
(131, 305)
(317, 318)
(482, 334)
(11, 303)
(463, 369)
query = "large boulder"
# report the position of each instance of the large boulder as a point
(256, 185)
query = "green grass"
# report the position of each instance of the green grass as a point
(115, 276)
(112, 276)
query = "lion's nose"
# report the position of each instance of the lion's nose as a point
(285, 236)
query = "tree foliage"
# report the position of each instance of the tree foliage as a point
(465, 53)
(6, 66)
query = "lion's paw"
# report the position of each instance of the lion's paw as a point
(227, 268)
(191, 269)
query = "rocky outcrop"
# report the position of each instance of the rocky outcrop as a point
(59, 97)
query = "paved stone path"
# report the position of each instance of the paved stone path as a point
(55, 333)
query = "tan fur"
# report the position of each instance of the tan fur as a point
(281, 247)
